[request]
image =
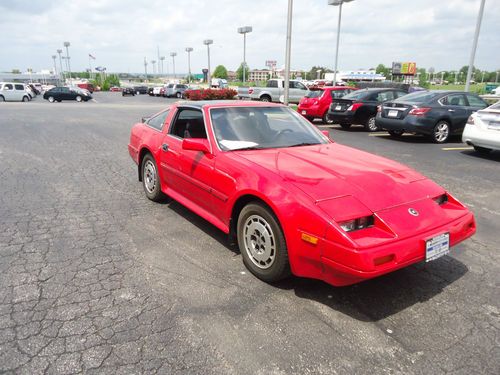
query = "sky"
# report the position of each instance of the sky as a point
(120, 33)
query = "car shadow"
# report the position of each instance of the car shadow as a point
(493, 155)
(418, 138)
(369, 301)
(379, 298)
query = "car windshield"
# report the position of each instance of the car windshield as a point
(314, 93)
(239, 128)
(357, 94)
(418, 97)
(170, 85)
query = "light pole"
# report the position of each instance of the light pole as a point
(145, 69)
(496, 77)
(189, 50)
(55, 67)
(244, 30)
(162, 58)
(173, 54)
(61, 71)
(288, 52)
(339, 3)
(474, 46)
(207, 42)
(154, 66)
(67, 44)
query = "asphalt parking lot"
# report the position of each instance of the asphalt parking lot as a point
(96, 278)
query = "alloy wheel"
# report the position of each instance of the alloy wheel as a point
(259, 241)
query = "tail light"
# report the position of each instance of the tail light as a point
(354, 106)
(250, 91)
(419, 111)
(379, 108)
(470, 120)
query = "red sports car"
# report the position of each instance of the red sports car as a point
(295, 201)
(316, 103)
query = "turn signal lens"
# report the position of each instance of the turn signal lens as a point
(442, 199)
(470, 120)
(357, 224)
(379, 108)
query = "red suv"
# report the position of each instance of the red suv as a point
(316, 103)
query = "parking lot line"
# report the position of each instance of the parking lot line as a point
(457, 148)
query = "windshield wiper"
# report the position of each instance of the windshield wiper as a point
(248, 148)
(304, 144)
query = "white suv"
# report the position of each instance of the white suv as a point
(13, 92)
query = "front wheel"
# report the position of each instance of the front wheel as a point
(25, 99)
(326, 119)
(78, 98)
(441, 132)
(262, 243)
(150, 179)
(51, 99)
(178, 95)
(370, 124)
(265, 98)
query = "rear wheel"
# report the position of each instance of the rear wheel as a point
(51, 99)
(441, 132)
(396, 133)
(150, 179)
(178, 95)
(265, 98)
(345, 126)
(262, 243)
(78, 98)
(482, 150)
(370, 124)
(26, 99)
(326, 119)
(2, 99)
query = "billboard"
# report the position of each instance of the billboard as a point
(404, 68)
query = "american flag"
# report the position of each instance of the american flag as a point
(92, 57)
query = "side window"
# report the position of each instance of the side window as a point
(189, 123)
(19, 87)
(64, 89)
(399, 94)
(474, 101)
(384, 96)
(158, 121)
(8, 86)
(454, 99)
(297, 85)
(336, 94)
(273, 83)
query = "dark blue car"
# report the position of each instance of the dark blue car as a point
(437, 114)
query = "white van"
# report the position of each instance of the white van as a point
(13, 92)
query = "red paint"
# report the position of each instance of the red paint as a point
(310, 189)
(317, 107)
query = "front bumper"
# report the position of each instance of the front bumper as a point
(345, 266)
(411, 124)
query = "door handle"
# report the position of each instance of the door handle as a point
(451, 110)
(164, 147)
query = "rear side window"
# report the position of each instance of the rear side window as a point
(385, 96)
(272, 84)
(8, 86)
(158, 121)
(454, 99)
(19, 87)
(335, 94)
(314, 94)
(474, 101)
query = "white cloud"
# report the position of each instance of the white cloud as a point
(120, 33)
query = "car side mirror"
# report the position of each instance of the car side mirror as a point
(326, 133)
(145, 119)
(196, 144)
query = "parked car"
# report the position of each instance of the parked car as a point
(150, 91)
(141, 89)
(13, 92)
(128, 91)
(58, 94)
(482, 130)
(33, 88)
(317, 102)
(176, 90)
(115, 89)
(157, 90)
(87, 86)
(294, 201)
(360, 107)
(219, 83)
(438, 114)
(274, 90)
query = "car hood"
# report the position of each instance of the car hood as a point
(331, 171)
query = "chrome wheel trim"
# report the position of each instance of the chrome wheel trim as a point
(441, 132)
(259, 241)
(149, 176)
(51, 99)
(78, 98)
(371, 124)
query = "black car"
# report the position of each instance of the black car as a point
(150, 91)
(141, 89)
(360, 107)
(438, 114)
(57, 94)
(128, 91)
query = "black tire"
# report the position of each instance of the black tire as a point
(26, 99)
(370, 124)
(152, 191)
(253, 217)
(265, 98)
(326, 119)
(178, 95)
(482, 150)
(396, 133)
(2, 99)
(78, 98)
(441, 132)
(345, 126)
(51, 99)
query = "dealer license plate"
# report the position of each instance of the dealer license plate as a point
(436, 247)
(392, 113)
(495, 125)
(338, 108)
(304, 112)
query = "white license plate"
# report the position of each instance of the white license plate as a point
(392, 113)
(494, 125)
(436, 247)
(338, 108)
(304, 112)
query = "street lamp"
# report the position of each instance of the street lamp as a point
(145, 69)
(67, 44)
(162, 58)
(244, 30)
(173, 54)
(61, 71)
(474, 46)
(154, 66)
(189, 50)
(55, 67)
(288, 52)
(207, 42)
(339, 3)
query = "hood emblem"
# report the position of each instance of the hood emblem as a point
(413, 212)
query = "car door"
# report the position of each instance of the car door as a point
(455, 106)
(474, 104)
(187, 172)
(20, 91)
(297, 91)
(8, 92)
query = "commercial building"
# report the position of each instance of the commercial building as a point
(356, 76)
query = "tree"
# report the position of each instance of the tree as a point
(220, 72)
(382, 69)
(16, 71)
(239, 73)
(312, 74)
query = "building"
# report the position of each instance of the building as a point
(356, 76)
(231, 75)
(42, 77)
(259, 75)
